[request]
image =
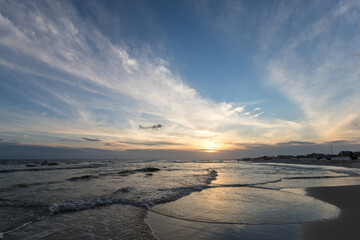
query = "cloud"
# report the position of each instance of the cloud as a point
(31, 151)
(154, 127)
(128, 63)
(10, 150)
(341, 142)
(309, 52)
(92, 84)
(313, 67)
(92, 139)
(69, 140)
(154, 143)
(297, 143)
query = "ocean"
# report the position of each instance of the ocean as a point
(103, 199)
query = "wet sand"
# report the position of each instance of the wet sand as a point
(312, 161)
(167, 228)
(346, 226)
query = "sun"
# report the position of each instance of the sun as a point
(210, 150)
(210, 147)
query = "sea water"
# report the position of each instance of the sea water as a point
(102, 199)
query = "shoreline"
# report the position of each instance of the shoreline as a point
(311, 161)
(346, 225)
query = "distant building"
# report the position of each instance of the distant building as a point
(346, 153)
(285, 156)
(328, 156)
(357, 154)
(316, 155)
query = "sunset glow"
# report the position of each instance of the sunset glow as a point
(185, 76)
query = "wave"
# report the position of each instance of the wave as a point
(128, 195)
(148, 170)
(124, 196)
(77, 205)
(131, 171)
(212, 176)
(55, 167)
(25, 185)
(162, 196)
(314, 177)
(145, 170)
(84, 177)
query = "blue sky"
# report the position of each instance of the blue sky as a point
(223, 78)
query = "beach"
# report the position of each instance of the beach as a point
(336, 161)
(346, 225)
(183, 119)
(173, 200)
(171, 228)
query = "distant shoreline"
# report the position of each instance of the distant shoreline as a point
(310, 161)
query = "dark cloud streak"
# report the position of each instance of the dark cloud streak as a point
(92, 139)
(297, 143)
(69, 140)
(149, 143)
(154, 127)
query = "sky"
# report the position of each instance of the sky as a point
(178, 79)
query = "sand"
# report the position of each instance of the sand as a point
(312, 161)
(166, 228)
(347, 225)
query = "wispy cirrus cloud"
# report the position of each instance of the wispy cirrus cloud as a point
(92, 85)
(315, 68)
(308, 52)
(73, 80)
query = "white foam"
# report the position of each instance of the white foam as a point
(77, 205)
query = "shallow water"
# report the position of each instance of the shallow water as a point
(109, 199)
(245, 205)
